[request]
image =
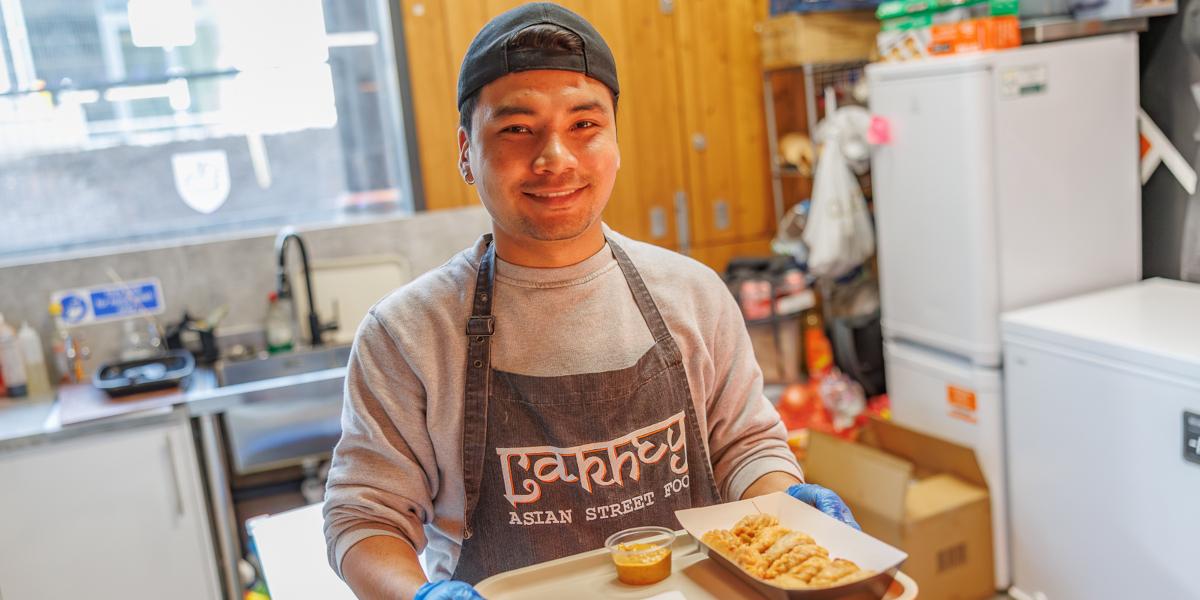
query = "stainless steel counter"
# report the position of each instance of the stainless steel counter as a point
(221, 399)
(24, 418)
(33, 420)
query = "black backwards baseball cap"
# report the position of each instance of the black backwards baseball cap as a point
(490, 58)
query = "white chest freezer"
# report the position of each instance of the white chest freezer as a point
(1103, 415)
(1010, 179)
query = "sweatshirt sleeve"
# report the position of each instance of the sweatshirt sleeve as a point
(382, 479)
(746, 437)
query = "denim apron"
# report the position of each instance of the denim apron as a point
(554, 465)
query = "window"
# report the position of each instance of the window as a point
(126, 120)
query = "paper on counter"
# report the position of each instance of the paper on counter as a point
(668, 596)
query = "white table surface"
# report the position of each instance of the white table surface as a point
(291, 546)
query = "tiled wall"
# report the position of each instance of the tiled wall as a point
(239, 271)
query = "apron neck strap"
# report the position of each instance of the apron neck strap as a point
(641, 295)
(480, 327)
(482, 322)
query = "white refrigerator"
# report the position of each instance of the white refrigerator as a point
(1010, 179)
(1103, 405)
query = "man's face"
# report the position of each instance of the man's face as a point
(543, 153)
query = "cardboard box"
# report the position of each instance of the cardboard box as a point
(988, 33)
(919, 493)
(793, 40)
(943, 39)
(841, 541)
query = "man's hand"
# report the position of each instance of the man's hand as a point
(824, 500)
(447, 590)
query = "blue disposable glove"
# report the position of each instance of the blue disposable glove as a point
(447, 590)
(824, 500)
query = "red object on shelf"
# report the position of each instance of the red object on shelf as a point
(818, 352)
(800, 407)
(755, 295)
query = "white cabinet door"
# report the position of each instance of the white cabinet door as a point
(108, 515)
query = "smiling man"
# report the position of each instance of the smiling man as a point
(557, 382)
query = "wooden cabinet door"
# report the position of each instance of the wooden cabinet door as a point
(724, 120)
(106, 516)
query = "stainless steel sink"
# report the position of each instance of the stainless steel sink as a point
(289, 413)
(282, 365)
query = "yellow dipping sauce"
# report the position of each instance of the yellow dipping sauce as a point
(642, 564)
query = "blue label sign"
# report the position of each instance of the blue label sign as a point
(110, 302)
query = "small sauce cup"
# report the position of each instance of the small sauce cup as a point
(642, 554)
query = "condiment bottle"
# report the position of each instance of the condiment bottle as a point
(37, 379)
(12, 362)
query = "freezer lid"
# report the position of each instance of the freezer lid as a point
(946, 65)
(979, 61)
(1154, 324)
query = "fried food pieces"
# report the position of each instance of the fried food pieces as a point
(751, 525)
(722, 541)
(778, 555)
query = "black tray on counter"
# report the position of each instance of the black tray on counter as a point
(144, 375)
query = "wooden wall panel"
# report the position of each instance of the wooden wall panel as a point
(495, 7)
(434, 74)
(466, 19)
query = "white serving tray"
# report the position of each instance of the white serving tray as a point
(592, 575)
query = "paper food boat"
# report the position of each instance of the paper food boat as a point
(841, 541)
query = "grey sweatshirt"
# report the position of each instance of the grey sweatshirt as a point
(397, 470)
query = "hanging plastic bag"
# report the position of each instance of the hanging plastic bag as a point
(839, 234)
(850, 126)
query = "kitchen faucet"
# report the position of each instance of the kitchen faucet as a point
(315, 327)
